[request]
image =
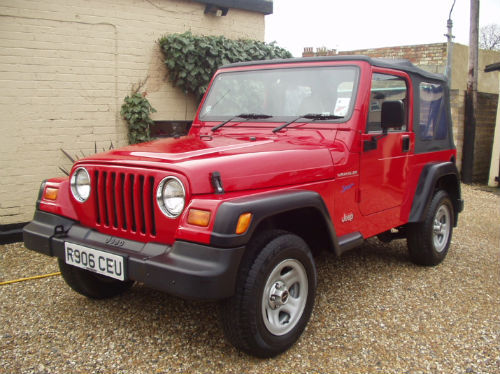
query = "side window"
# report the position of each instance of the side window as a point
(385, 87)
(432, 119)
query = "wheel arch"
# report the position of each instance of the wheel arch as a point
(435, 176)
(301, 212)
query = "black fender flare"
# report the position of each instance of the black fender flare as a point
(263, 206)
(429, 178)
(40, 193)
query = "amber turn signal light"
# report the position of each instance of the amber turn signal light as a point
(243, 223)
(51, 193)
(198, 217)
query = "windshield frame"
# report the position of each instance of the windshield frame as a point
(279, 119)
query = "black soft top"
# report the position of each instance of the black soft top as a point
(398, 64)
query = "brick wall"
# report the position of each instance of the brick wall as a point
(430, 57)
(65, 67)
(485, 130)
(457, 103)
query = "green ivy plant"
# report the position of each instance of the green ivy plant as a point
(136, 110)
(192, 59)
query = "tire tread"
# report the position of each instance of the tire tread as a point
(419, 238)
(237, 314)
(88, 284)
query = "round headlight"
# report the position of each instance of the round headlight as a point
(80, 184)
(171, 197)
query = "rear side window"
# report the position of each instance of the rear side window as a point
(385, 87)
(432, 122)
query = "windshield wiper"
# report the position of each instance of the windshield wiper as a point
(313, 116)
(243, 115)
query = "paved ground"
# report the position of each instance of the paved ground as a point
(375, 312)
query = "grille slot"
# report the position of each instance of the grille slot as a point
(125, 201)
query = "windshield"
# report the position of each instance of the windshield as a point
(283, 93)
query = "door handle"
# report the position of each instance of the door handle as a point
(406, 143)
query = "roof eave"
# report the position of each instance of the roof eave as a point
(492, 67)
(259, 6)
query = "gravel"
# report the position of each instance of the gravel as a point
(375, 312)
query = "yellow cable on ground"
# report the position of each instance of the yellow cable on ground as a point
(29, 278)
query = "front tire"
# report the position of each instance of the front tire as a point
(274, 295)
(429, 240)
(92, 285)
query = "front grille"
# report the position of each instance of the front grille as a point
(125, 201)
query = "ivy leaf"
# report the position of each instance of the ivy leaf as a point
(191, 60)
(136, 110)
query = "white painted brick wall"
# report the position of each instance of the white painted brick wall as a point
(65, 67)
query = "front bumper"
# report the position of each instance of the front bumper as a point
(186, 269)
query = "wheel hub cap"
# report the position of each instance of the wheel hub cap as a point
(441, 228)
(278, 295)
(284, 297)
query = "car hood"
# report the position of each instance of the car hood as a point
(243, 162)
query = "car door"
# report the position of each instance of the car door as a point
(384, 158)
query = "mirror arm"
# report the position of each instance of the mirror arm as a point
(378, 137)
(369, 145)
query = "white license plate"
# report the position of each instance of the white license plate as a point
(99, 262)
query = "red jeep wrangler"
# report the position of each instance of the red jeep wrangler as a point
(284, 158)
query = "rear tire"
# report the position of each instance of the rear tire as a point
(429, 240)
(274, 295)
(92, 285)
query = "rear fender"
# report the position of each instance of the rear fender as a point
(436, 176)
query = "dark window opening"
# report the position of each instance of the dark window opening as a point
(169, 129)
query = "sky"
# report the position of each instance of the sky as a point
(359, 24)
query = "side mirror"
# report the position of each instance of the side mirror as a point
(393, 115)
